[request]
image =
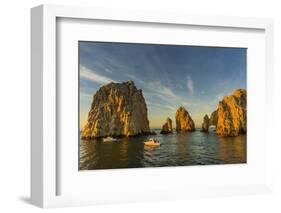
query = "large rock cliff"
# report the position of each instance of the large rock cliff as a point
(167, 127)
(184, 121)
(232, 114)
(118, 109)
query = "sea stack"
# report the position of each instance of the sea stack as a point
(167, 127)
(117, 109)
(232, 114)
(184, 121)
(205, 124)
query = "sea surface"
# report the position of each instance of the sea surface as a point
(177, 149)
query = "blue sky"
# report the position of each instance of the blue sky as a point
(169, 75)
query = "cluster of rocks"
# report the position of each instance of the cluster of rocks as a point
(119, 109)
(184, 122)
(230, 118)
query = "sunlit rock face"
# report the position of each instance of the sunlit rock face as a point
(184, 121)
(232, 114)
(117, 109)
(205, 124)
(167, 127)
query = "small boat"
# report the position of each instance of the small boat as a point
(109, 139)
(152, 142)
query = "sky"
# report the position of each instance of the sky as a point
(170, 76)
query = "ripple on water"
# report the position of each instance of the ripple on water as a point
(193, 148)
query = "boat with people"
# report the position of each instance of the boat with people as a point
(109, 139)
(152, 142)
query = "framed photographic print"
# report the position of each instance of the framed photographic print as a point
(129, 106)
(130, 99)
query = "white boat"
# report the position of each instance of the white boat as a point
(152, 142)
(110, 139)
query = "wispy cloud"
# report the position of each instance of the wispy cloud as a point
(165, 94)
(93, 76)
(159, 105)
(131, 77)
(108, 70)
(161, 90)
(189, 84)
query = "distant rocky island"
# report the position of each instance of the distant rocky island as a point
(167, 127)
(119, 110)
(184, 121)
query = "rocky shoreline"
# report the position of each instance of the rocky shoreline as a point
(120, 110)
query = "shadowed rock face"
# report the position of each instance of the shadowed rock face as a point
(167, 127)
(214, 118)
(232, 114)
(118, 109)
(184, 121)
(205, 124)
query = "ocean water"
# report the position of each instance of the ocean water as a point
(177, 149)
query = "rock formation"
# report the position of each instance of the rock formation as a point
(205, 124)
(213, 118)
(167, 127)
(184, 121)
(232, 114)
(117, 109)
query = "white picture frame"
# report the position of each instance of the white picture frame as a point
(44, 149)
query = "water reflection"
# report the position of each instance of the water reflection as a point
(178, 149)
(232, 149)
